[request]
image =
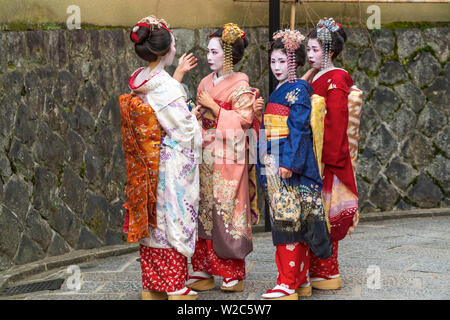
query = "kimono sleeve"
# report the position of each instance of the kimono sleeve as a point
(299, 140)
(232, 125)
(335, 140)
(182, 129)
(241, 113)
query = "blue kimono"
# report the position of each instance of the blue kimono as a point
(285, 140)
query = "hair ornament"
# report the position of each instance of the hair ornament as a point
(151, 23)
(230, 33)
(324, 29)
(292, 39)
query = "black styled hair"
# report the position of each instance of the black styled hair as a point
(338, 39)
(300, 53)
(238, 47)
(151, 44)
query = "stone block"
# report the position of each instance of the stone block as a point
(383, 195)
(28, 251)
(10, 231)
(57, 246)
(404, 122)
(438, 93)
(38, 230)
(65, 222)
(442, 141)
(411, 95)
(417, 149)
(44, 189)
(72, 190)
(400, 173)
(438, 39)
(439, 169)
(88, 240)
(49, 149)
(17, 195)
(382, 143)
(392, 72)
(431, 121)
(424, 193)
(423, 68)
(385, 102)
(408, 42)
(96, 214)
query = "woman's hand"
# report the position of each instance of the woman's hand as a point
(185, 64)
(196, 112)
(284, 173)
(205, 100)
(258, 108)
(309, 75)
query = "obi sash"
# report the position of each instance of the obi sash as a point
(275, 121)
(209, 120)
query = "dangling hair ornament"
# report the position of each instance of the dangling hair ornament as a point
(292, 39)
(324, 29)
(151, 23)
(231, 32)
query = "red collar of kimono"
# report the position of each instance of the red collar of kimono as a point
(133, 77)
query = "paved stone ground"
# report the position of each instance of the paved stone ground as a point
(411, 257)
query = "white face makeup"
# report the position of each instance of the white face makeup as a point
(279, 64)
(168, 58)
(215, 55)
(314, 52)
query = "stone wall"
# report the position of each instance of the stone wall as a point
(62, 171)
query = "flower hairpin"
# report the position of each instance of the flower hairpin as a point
(231, 32)
(324, 29)
(292, 39)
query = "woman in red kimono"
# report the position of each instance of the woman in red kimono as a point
(339, 191)
(225, 216)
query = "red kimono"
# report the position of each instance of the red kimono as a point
(339, 191)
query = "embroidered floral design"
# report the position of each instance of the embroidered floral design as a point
(292, 96)
(290, 205)
(206, 203)
(291, 246)
(235, 221)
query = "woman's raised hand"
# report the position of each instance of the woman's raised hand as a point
(309, 75)
(186, 63)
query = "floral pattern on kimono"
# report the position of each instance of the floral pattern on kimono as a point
(286, 140)
(224, 212)
(178, 177)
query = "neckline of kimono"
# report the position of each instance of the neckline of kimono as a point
(217, 80)
(322, 72)
(151, 75)
(296, 80)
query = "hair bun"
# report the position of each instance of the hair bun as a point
(140, 33)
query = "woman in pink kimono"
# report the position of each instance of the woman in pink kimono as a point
(225, 102)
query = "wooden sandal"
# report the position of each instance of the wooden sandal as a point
(202, 284)
(153, 295)
(287, 295)
(238, 287)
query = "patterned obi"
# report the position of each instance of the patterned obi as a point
(209, 120)
(275, 121)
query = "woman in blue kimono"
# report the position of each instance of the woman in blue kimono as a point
(289, 173)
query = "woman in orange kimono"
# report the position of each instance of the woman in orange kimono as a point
(224, 221)
(162, 145)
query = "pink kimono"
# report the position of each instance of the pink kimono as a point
(224, 219)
